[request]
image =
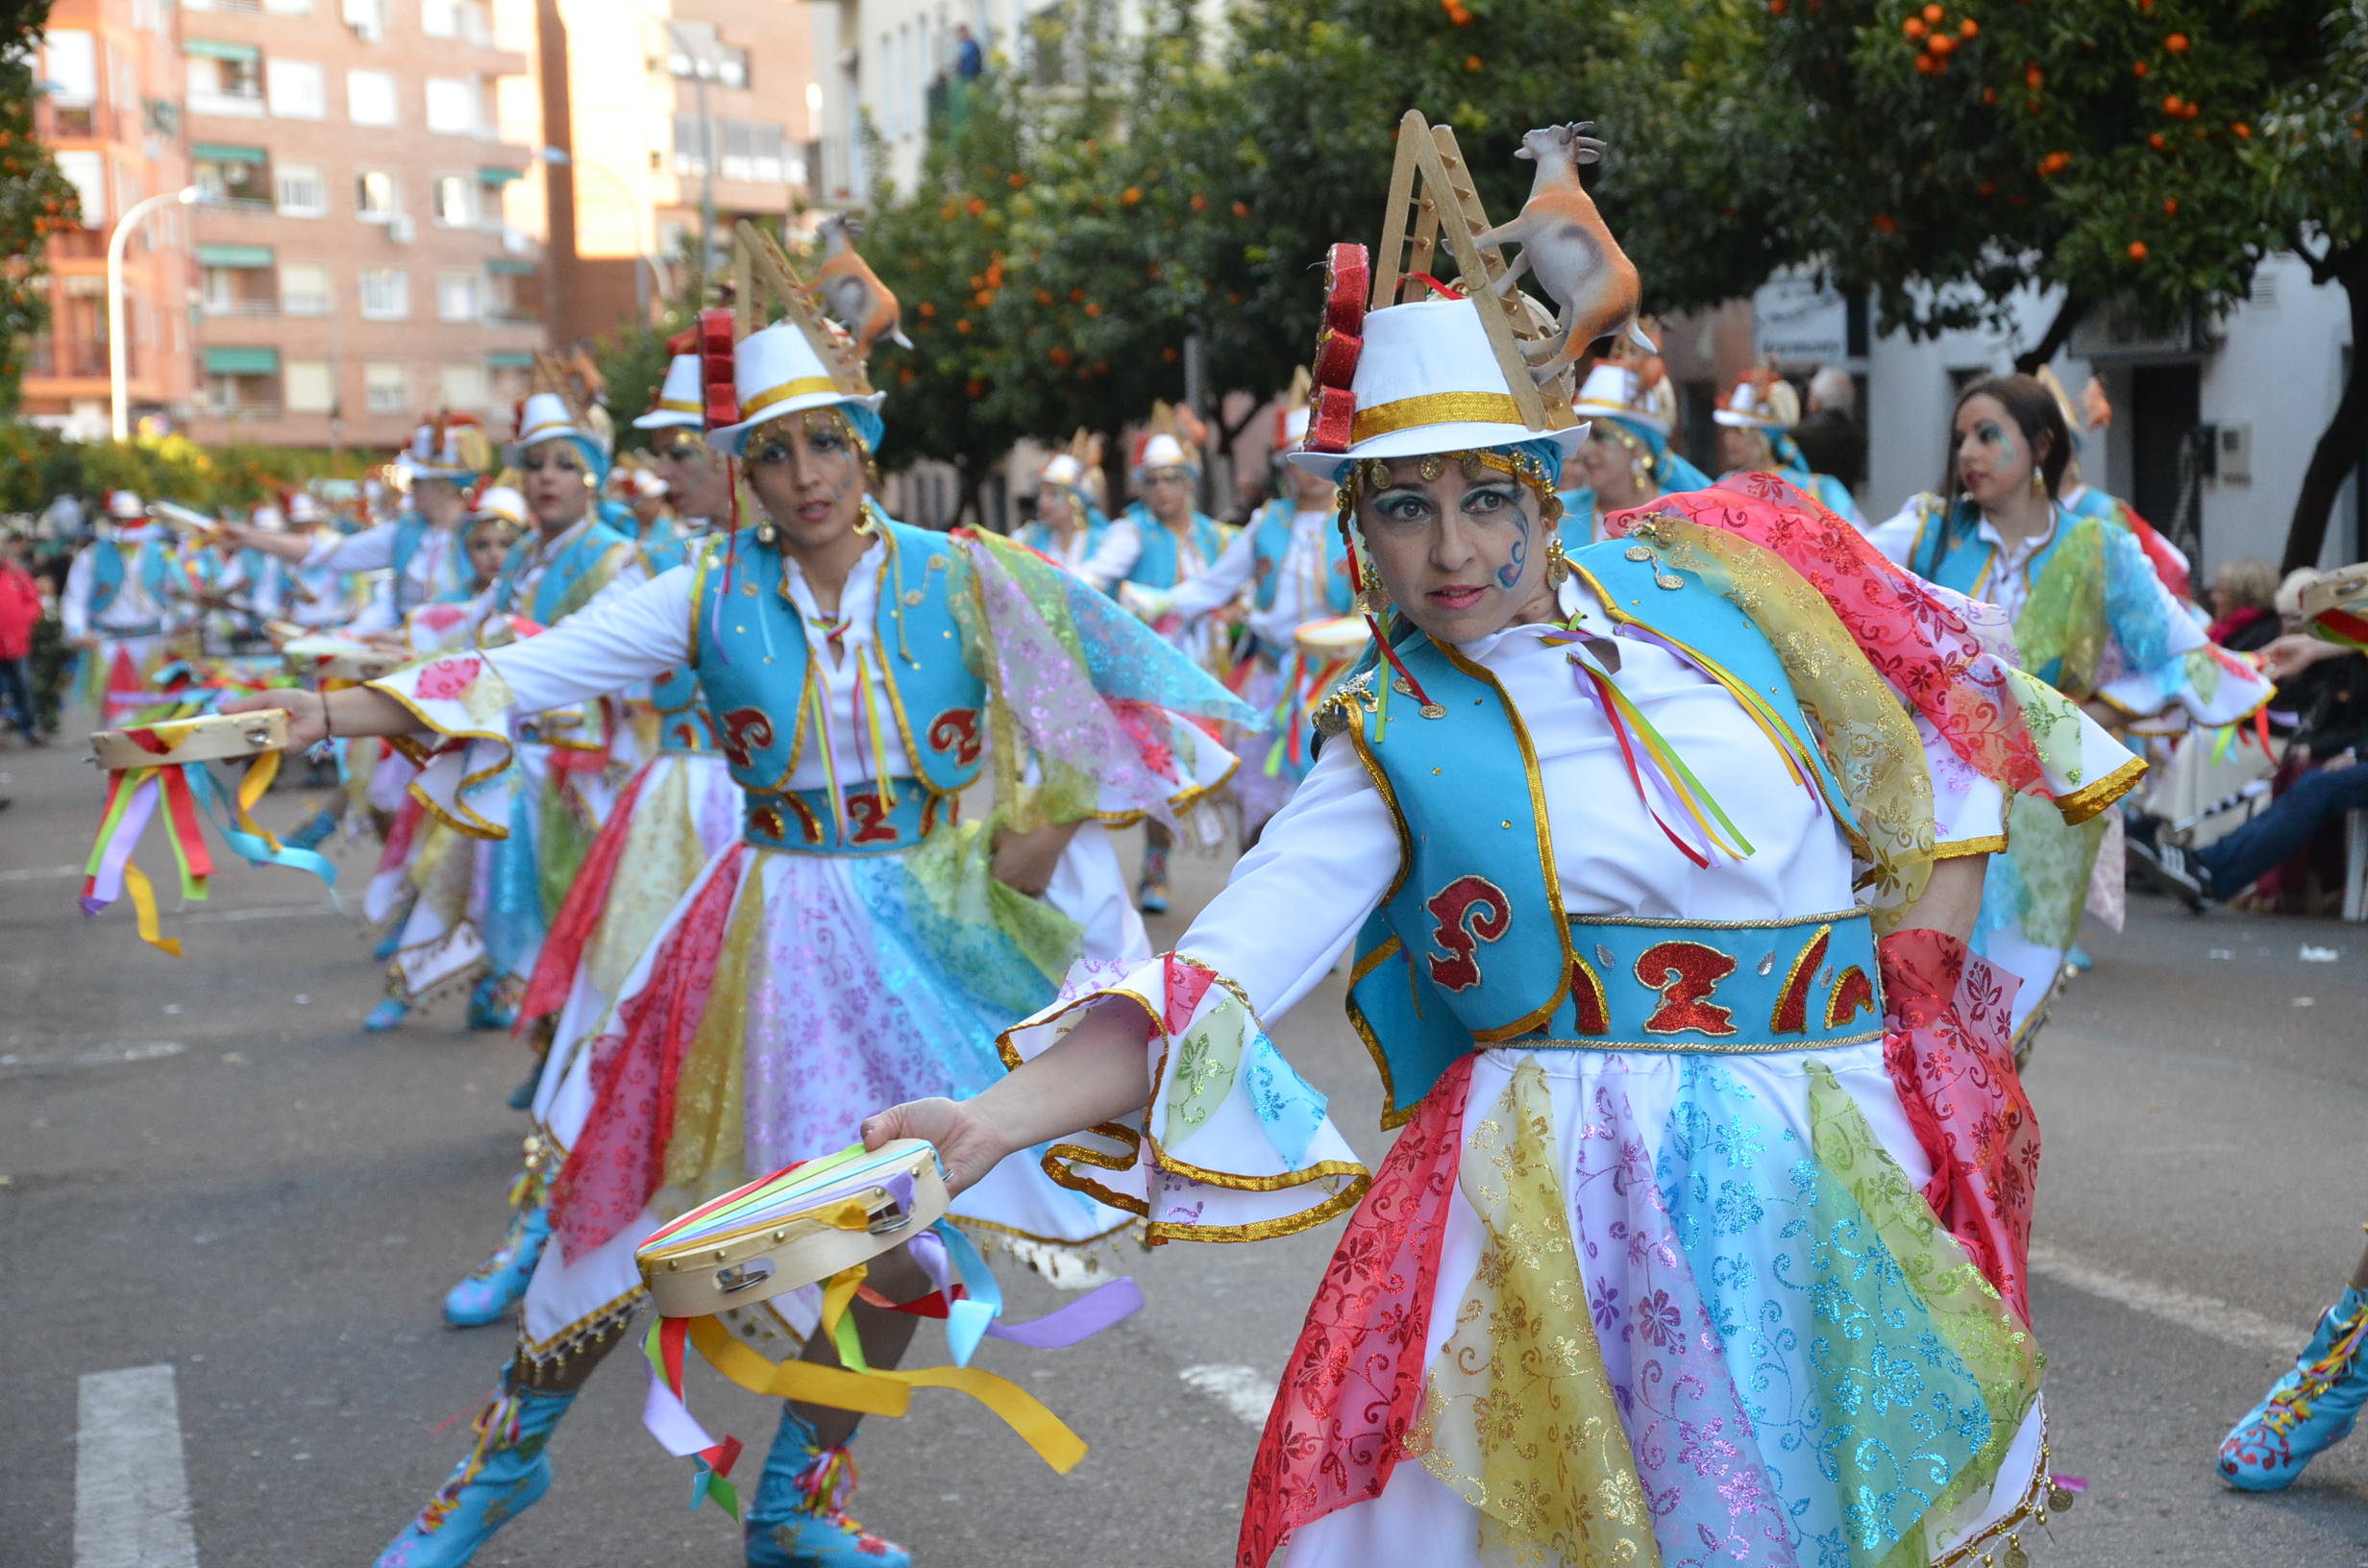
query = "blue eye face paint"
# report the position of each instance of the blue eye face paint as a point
(1993, 432)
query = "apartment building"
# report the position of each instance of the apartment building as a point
(357, 259)
(652, 112)
(111, 113)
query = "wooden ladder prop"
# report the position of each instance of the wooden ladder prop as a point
(1444, 204)
(758, 262)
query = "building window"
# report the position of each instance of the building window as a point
(387, 386)
(304, 289)
(223, 82)
(374, 195)
(695, 49)
(231, 174)
(85, 170)
(299, 89)
(386, 294)
(303, 192)
(754, 149)
(288, 8)
(367, 17)
(463, 19)
(309, 386)
(457, 296)
(467, 387)
(452, 106)
(370, 97)
(70, 63)
(456, 201)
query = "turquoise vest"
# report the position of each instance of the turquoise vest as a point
(1471, 946)
(589, 563)
(1039, 538)
(664, 547)
(682, 721)
(107, 573)
(1160, 564)
(754, 676)
(1271, 545)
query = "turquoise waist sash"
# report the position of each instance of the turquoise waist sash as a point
(802, 822)
(1801, 985)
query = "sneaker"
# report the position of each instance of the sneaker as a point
(2308, 1410)
(2176, 870)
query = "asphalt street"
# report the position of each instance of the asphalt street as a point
(207, 1167)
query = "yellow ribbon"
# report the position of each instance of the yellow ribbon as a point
(887, 1393)
(144, 910)
(253, 788)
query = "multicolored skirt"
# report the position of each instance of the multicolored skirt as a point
(1618, 1306)
(783, 998)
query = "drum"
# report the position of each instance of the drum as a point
(1343, 637)
(793, 1228)
(212, 737)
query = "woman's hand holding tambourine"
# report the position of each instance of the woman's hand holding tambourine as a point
(308, 714)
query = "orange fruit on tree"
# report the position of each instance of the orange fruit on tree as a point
(1933, 12)
(1969, 27)
(1914, 27)
(2138, 249)
(2175, 43)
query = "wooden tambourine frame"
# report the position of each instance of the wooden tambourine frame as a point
(777, 1253)
(213, 737)
(1432, 199)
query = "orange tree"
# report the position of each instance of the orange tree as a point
(1942, 156)
(36, 200)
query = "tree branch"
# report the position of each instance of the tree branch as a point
(2074, 310)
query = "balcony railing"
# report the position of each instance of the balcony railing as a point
(264, 309)
(218, 103)
(510, 316)
(238, 410)
(238, 207)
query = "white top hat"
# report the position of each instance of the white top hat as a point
(1427, 381)
(681, 401)
(1750, 407)
(127, 506)
(1163, 450)
(1063, 470)
(503, 501)
(1613, 392)
(777, 372)
(434, 456)
(269, 517)
(547, 417)
(303, 509)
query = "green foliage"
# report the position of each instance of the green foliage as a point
(36, 465)
(36, 201)
(633, 360)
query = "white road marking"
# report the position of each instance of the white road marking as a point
(41, 873)
(1245, 1390)
(2207, 1315)
(269, 911)
(130, 1486)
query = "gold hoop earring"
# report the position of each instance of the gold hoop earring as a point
(1557, 563)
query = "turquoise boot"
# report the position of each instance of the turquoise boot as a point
(389, 946)
(798, 1520)
(487, 1010)
(1151, 893)
(522, 1097)
(489, 1290)
(322, 824)
(2309, 1409)
(505, 1472)
(387, 1015)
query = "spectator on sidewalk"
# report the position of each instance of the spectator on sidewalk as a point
(1830, 435)
(969, 60)
(2328, 744)
(2243, 598)
(20, 611)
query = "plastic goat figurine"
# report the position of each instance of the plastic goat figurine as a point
(851, 291)
(1567, 248)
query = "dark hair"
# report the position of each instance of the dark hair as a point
(2033, 407)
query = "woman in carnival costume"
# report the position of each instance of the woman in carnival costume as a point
(1179, 542)
(422, 857)
(1753, 419)
(1704, 1238)
(1294, 567)
(1626, 457)
(2091, 618)
(537, 820)
(123, 601)
(673, 816)
(2080, 499)
(1070, 526)
(858, 942)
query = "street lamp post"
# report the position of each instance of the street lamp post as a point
(117, 391)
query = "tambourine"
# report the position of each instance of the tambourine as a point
(186, 520)
(793, 1228)
(1343, 637)
(338, 658)
(212, 737)
(2335, 606)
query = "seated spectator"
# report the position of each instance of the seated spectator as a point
(2243, 598)
(2326, 745)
